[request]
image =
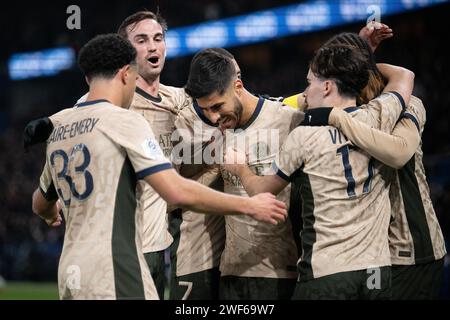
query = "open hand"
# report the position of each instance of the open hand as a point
(267, 208)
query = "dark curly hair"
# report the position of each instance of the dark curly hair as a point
(104, 55)
(345, 65)
(376, 82)
(211, 71)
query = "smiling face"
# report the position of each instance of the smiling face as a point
(225, 110)
(148, 38)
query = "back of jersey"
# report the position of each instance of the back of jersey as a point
(91, 162)
(346, 208)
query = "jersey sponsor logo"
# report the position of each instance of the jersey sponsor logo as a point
(152, 149)
(165, 143)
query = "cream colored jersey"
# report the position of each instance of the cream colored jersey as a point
(93, 161)
(414, 235)
(252, 248)
(201, 237)
(346, 208)
(160, 112)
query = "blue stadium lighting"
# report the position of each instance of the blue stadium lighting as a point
(284, 21)
(40, 63)
(236, 31)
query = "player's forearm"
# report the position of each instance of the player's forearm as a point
(394, 150)
(47, 210)
(399, 79)
(196, 197)
(252, 183)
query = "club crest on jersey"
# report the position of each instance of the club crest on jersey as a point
(152, 149)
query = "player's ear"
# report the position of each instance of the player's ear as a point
(125, 74)
(87, 80)
(327, 87)
(238, 87)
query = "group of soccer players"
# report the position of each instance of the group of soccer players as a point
(127, 194)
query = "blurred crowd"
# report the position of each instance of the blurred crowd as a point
(29, 250)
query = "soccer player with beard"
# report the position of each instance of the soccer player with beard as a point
(258, 262)
(94, 158)
(345, 200)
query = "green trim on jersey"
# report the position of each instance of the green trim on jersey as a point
(308, 234)
(127, 270)
(415, 213)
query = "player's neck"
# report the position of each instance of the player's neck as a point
(100, 89)
(249, 103)
(151, 87)
(340, 102)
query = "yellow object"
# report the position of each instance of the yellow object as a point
(297, 101)
(292, 101)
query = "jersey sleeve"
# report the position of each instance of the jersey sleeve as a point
(392, 149)
(416, 112)
(134, 134)
(291, 156)
(382, 112)
(46, 185)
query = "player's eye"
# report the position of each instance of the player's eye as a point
(216, 108)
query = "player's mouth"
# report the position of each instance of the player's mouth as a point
(226, 123)
(154, 61)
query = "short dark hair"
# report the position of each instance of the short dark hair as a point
(137, 17)
(105, 54)
(343, 64)
(210, 72)
(377, 81)
(221, 51)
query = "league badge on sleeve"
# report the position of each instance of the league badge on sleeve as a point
(152, 149)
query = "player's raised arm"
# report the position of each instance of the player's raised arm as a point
(188, 194)
(400, 80)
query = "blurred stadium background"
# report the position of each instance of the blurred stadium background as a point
(273, 46)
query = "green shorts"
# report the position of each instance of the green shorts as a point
(157, 266)
(369, 284)
(203, 285)
(237, 288)
(417, 282)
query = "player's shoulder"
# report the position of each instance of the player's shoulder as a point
(389, 99)
(165, 89)
(307, 134)
(59, 117)
(175, 94)
(278, 107)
